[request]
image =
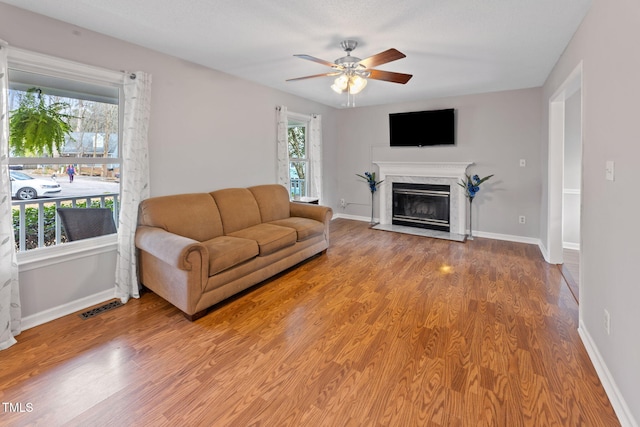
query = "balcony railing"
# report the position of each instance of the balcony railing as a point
(298, 188)
(47, 229)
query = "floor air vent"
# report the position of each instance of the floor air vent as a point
(106, 307)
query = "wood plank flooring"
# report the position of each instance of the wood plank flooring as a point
(570, 270)
(385, 329)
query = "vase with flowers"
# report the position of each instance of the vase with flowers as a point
(471, 187)
(370, 178)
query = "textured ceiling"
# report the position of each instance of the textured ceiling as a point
(453, 47)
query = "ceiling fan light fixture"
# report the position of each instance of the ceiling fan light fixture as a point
(340, 84)
(356, 84)
(353, 73)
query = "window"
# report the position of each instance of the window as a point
(299, 152)
(298, 158)
(82, 168)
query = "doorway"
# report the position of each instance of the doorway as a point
(565, 179)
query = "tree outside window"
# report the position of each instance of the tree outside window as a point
(56, 122)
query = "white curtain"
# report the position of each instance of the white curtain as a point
(135, 183)
(283, 146)
(315, 156)
(10, 312)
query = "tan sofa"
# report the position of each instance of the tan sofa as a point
(198, 249)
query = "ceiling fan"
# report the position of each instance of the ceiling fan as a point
(352, 72)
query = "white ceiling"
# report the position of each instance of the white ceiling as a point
(453, 47)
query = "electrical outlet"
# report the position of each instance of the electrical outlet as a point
(522, 219)
(607, 322)
(343, 203)
(609, 170)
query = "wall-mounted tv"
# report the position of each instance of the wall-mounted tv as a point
(422, 128)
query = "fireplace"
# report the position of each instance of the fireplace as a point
(421, 205)
(433, 173)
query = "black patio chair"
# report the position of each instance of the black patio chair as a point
(84, 223)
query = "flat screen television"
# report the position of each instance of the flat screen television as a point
(422, 128)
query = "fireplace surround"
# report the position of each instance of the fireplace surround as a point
(435, 173)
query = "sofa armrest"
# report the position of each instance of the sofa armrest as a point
(307, 210)
(173, 249)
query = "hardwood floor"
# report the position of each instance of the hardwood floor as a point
(385, 329)
(570, 270)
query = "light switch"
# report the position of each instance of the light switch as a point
(609, 170)
(523, 163)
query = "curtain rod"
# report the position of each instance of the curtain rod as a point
(278, 107)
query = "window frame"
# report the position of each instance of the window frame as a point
(24, 60)
(300, 120)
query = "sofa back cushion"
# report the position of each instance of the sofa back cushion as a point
(273, 201)
(194, 216)
(238, 209)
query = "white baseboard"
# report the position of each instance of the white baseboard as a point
(615, 396)
(507, 237)
(65, 309)
(354, 217)
(495, 236)
(570, 245)
(545, 252)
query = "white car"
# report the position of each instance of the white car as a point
(25, 187)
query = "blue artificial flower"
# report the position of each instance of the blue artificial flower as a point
(472, 185)
(370, 178)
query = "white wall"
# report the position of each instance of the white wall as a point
(494, 130)
(607, 43)
(572, 171)
(55, 287)
(208, 130)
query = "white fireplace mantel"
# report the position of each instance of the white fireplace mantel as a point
(450, 173)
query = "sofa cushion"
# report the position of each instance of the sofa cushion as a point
(270, 237)
(304, 227)
(273, 201)
(194, 216)
(238, 209)
(226, 252)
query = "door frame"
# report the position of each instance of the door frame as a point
(555, 187)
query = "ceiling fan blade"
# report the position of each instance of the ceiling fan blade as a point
(382, 58)
(318, 60)
(316, 75)
(389, 76)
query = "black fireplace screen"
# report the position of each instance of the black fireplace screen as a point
(421, 205)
